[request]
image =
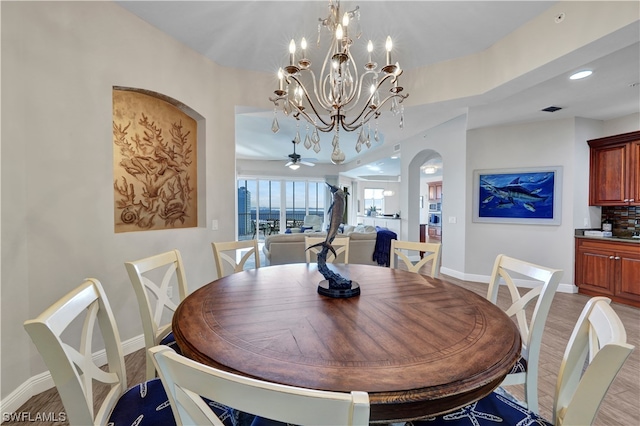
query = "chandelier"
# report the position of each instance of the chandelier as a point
(339, 97)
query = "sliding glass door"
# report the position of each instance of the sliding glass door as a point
(276, 206)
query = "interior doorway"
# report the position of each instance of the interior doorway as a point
(431, 193)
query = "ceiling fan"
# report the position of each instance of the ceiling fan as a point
(295, 161)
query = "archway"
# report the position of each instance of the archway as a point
(415, 190)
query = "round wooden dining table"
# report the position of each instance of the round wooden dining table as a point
(419, 346)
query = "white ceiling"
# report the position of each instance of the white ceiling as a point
(254, 35)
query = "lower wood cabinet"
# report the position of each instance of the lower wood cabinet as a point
(608, 268)
(435, 233)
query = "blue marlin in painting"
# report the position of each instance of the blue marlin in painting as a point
(514, 193)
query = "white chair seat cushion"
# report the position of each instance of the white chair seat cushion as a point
(499, 407)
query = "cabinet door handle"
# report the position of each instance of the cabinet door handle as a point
(617, 258)
(611, 257)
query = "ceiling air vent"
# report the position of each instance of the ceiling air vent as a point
(396, 147)
(551, 109)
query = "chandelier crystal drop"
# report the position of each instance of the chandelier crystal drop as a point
(340, 96)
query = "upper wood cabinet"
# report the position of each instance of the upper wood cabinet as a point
(614, 170)
(435, 191)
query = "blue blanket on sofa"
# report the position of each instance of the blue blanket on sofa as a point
(382, 251)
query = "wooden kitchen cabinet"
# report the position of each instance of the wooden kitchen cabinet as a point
(435, 233)
(435, 191)
(608, 268)
(614, 170)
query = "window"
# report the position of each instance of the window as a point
(316, 196)
(374, 197)
(272, 206)
(296, 207)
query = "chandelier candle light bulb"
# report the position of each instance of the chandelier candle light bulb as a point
(292, 52)
(331, 99)
(388, 45)
(280, 79)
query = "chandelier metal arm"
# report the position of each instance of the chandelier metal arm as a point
(354, 90)
(323, 103)
(364, 117)
(327, 125)
(348, 108)
(367, 114)
(338, 88)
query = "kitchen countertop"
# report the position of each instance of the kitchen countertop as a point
(612, 239)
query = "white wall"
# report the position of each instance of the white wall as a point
(550, 143)
(626, 124)
(60, 61)
(449, 142)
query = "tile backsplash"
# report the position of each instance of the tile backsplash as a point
(623, 219)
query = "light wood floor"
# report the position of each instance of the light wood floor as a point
(621, 405)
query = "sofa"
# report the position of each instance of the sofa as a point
(289, 248)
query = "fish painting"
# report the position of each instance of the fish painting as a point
(517, 195)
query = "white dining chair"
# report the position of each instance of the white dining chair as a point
(151, 279)
(595, 353)
(402, 249)
(187, 382)
(70, 359)
(340, 244)
(225, 255)
(508, 269)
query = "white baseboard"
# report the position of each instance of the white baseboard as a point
(43, 381)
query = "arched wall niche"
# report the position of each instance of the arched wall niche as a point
(158, 163)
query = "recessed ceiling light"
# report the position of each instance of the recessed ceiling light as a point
(581, 74)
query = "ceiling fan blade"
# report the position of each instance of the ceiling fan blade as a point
(289, 163)
(306, 163)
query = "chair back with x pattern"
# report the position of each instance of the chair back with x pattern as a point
(225, 253)
(400, 249)
(340, 244)
(594, 355)
(509, 269)
(73, 369)
(151, 278)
